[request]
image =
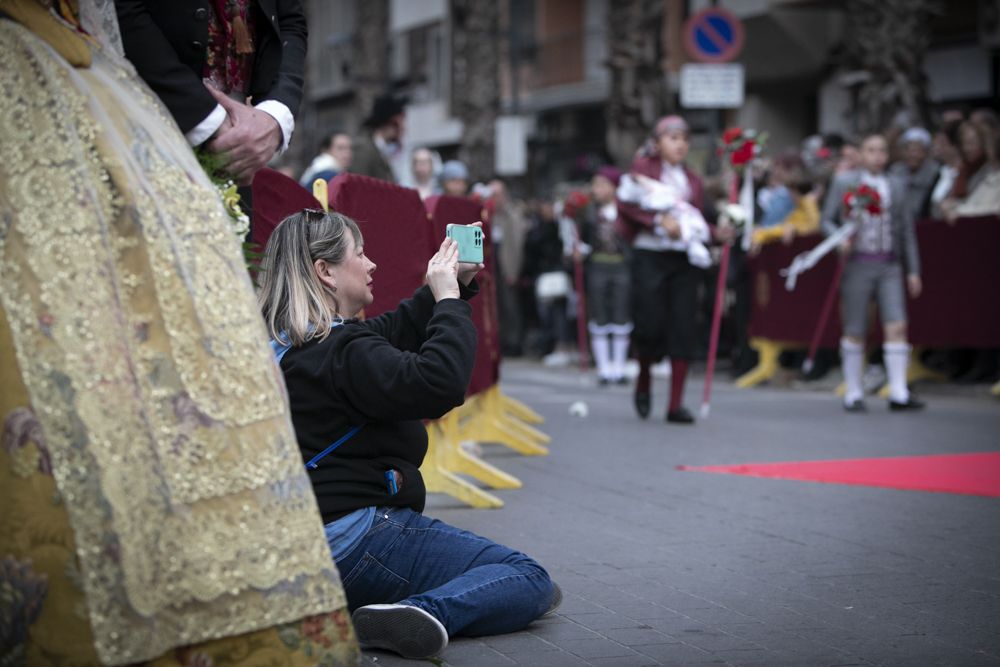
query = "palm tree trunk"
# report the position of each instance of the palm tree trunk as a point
(475, 83)
(638, 93)
(887, 40)
(371, 45)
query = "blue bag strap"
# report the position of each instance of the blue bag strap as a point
(314, 461)
(279, 347)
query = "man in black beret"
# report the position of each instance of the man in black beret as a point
(382, 139)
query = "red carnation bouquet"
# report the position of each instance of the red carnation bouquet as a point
(863, 198)
(575, 202)
(741, 146)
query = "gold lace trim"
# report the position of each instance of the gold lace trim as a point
(137, 333)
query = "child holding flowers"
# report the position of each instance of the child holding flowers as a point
(882, 248)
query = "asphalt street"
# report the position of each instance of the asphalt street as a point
(668, 567)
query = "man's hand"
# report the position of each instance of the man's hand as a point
(788, 235)
(949, 209)
(914, 285)
(671, 225)
(249, 142)
(724, 233)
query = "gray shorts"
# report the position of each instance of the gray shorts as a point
(608, 293)
(864, 279)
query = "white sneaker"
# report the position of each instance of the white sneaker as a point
(404, 629)
(556, 359)
(662, 369)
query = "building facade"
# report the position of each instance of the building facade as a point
(555, 82)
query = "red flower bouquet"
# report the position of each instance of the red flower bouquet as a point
(863, 198)
(741, 146)
(575, 202)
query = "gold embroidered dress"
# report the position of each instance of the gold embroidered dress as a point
(152, 495)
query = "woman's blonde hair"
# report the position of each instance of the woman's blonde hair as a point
(294, 301)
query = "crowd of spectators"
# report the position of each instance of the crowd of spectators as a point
(951, 171)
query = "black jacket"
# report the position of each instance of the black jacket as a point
(167, 41)
(387, 373)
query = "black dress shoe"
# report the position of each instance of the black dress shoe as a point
(642, 403)
(603, 382)
(680, 416)
(909, 404)
(856, 405)
(622, 381)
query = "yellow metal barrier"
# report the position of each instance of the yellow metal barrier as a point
(519, 410)
(485, 420)
(767, 361)
(487, 417)
(438, 479)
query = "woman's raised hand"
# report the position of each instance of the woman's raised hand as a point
(442, 271)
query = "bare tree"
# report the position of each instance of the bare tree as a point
(371, 44)
(475, 82)
(638, 94)
(885, 44)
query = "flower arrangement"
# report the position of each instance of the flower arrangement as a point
(213, 166)
(741, 146)
(231, 202)
(863, 198)
(575, 202)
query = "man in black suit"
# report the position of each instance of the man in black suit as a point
(230, 72)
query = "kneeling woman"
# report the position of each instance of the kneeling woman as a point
(412, 581)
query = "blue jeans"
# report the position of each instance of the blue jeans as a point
(473, 585)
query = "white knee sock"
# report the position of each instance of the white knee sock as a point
(600, 345)
(620, 334)
(852, 359)
(897, 359)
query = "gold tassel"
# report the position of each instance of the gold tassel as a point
(242, 36)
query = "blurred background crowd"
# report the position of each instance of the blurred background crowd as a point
(536, 108)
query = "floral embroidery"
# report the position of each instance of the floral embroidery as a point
(21, 429)
(231, 45)
(22, 593)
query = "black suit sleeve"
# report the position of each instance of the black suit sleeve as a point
(156, 61)
(294, 35)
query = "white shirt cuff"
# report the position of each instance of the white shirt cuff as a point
(283, 115)
(206, 128)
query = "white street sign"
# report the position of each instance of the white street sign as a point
(712, 86)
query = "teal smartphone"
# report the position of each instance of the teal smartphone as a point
(470, 242)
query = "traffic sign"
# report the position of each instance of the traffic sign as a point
(712, 86)
(713, 35)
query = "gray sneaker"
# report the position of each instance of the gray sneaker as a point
(557, 598)
(404, 629)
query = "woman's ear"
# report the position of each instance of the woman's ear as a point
(324, 271)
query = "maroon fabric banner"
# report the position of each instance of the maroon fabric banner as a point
(397, 237)
(275, 197)
(400, 236)
(791, 316)
(957, 307)
(445, 210)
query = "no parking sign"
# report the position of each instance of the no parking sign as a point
(713, 35)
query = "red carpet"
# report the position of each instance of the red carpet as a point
(967, 474)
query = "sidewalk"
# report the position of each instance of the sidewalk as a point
(661, 567)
